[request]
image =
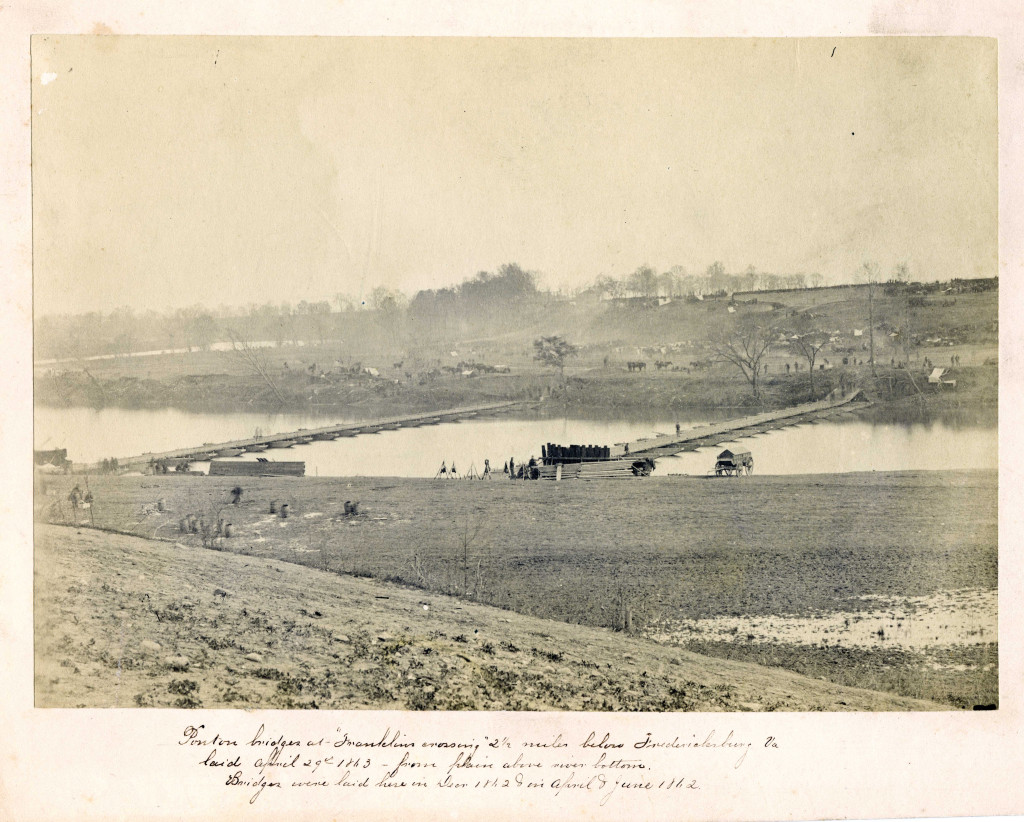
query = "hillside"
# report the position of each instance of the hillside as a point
(123, 621)
(359, 368)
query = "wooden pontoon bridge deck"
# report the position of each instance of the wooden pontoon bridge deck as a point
(690, 439)
(209, 451)
(636, 458)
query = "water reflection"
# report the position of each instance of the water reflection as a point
(854, 445)
(827, 447)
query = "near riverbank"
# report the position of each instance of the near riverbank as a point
(127, 622)
(640, 557)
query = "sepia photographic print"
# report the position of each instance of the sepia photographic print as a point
(417, 413)
(515, 374)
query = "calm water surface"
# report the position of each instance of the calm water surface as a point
(826, 447)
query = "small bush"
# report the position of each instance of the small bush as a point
(189, 690)
(183, 686)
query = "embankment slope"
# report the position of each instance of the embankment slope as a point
(123, 621)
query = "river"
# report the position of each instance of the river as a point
(156, 352)
(834, 446)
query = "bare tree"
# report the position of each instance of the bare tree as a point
(466, 566)
(644, 281)
(254, 358)
(807, 340)
(745, 345)
(749, 278)
(390, 306)
(716, 276)
(344, 302)
(869, 271)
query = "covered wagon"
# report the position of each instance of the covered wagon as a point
(734, 463)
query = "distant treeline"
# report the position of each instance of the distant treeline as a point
(486, 303)
(676, 282)
(497, 300)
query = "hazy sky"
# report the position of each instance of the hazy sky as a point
(169, 171)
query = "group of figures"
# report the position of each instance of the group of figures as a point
(164, 466)
(80, 500)
(529, 470)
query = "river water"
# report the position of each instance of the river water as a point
(156, 352)
(835, 446)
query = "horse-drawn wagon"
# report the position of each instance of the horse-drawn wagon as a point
(734, 463)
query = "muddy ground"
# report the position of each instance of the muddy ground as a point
(798, 564)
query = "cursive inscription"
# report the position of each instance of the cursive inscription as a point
(599, 764)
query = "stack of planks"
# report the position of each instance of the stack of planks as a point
(605, 469)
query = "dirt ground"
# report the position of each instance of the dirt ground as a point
(769, 557)
(123, 621)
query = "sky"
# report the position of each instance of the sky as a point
(169, 171)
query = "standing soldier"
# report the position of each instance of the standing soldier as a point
(74, 498)
(87, 503)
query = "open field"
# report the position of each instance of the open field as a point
(641, 557)
(125, 622)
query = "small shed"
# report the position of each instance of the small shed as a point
(936, 378)
(53, 461)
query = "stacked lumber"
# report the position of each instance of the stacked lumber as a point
(605, 469)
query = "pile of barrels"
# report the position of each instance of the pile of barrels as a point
(553, 454)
